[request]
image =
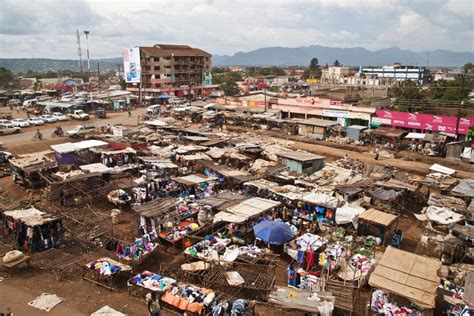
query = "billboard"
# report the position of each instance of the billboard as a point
(131, 65)
(425, 122)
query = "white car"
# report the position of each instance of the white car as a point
(49, 118)
(35, 121)
(60, 116)
(19, 122)
(5, 122)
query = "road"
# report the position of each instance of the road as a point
(26, 134)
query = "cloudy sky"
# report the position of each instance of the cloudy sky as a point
(46, 28)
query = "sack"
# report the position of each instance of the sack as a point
(12, 256)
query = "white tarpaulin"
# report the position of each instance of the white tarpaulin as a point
(321, 199)
(439, 168)
(107, 311)
(442, 215)
(244, 210)
(415, 136)
(46, 301)
(349, 213)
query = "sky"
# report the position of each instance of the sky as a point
(47, 28)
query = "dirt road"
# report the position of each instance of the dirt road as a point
(26, 134)
(406, 165)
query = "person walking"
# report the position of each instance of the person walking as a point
(153, 304)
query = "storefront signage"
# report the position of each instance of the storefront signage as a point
(428, 122)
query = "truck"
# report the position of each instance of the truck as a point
(79, 115)
(80, 130)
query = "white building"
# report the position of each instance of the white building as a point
(396, 73)
(334, 74)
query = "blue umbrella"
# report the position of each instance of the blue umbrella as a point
(164, 96)
(273, 232)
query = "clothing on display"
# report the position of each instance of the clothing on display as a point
(188, 297)
(208, 249)
(137, 250)
(152, 281)
(382, 303)
(105, 267)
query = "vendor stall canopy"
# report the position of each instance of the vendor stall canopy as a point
(72, 147)
(378, 217)
(414, 277)
(31, 216)
(194, 179)
(245, 210)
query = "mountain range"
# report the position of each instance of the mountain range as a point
(274, 56)
(355, 56)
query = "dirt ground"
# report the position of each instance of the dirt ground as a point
(82, 297)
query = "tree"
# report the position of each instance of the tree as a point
(230, 86)
(468, 68)
(313, 71)
(336, 63)
(6, 77)
(313, 64)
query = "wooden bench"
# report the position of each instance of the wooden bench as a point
(12, 265)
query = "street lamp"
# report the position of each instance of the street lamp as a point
(89, 64)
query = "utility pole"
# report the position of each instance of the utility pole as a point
(265, 94)
(461, 104)
(98, 78)
(89, 64)
(79, 52)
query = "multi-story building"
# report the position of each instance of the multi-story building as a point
(396, 73)
(334, 74)
(176, 70)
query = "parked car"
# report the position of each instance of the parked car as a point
(80, 130)
(100, 113)
(153, 109)
(49, 118)
(7, 129)
(60, 116)
(20, 122)
(28, 103)
(5, 122)
(5, 156)
(35, 121)
(79, 115)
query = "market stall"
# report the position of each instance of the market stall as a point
(379, 224)
(188, 297)
(198, 185)
(26, 171)
(33, 230)
(414, 278)
(147, 281)
(104, 271)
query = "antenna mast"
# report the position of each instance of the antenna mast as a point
(79, 52)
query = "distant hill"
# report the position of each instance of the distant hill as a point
(17, 65)
(355, 56)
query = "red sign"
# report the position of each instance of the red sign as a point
(426, 122)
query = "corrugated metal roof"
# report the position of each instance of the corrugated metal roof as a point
(300, 156)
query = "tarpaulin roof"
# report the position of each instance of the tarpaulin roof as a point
(71, 147)
(156, 208)
(464, 188)
(384, 195)
(96, 167)
(321, 199)
(244, 210)
(194, 179)
(222, 199)
(377, 217)
(439, 168)
(415, 277)
(442, 215)
(31, 216)
(349, 213)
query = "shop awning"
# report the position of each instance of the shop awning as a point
(321, 199)
(156, 208)
(31, 216)
(194, 179)
(408, 275)
(96, 167)
(245, 210)
(377, 217)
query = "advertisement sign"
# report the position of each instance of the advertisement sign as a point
(131, 65)
(335, 113)
(425, 122)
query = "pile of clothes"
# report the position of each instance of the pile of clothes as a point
(362, 263)
(152, 281)
(188, 297)
(225, 308)
(383, 304)
(457, 291)
(104, 267)
(208, 248)
(251, 251)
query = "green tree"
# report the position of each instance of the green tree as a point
(230, 87)
(468, 68)
(336, 63)
(313, 71)
(6, 77)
